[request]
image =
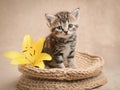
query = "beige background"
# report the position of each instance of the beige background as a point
(98, 33)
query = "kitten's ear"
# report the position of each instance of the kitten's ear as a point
(76, 13)
(50, 18)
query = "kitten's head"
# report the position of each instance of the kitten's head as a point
(63, 24)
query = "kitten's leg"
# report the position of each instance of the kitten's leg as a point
(59, 61)
(71, 60)
(71, 63)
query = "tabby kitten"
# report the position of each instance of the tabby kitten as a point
(60, 44)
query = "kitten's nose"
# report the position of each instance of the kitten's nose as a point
(66, 32)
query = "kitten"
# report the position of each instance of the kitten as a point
(60, 44)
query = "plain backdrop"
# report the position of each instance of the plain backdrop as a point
(98, 33)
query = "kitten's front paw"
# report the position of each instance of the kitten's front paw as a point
(61, 65)
(72, 66)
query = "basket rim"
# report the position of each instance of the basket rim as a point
(66, 73)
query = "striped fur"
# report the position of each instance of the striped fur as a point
(60, 44)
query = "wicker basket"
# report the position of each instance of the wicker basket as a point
(88, 75)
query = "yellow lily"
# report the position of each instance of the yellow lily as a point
(31, 53)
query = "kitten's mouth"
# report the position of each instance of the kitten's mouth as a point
(66, 35)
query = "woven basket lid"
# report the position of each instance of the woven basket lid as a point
(87, 66)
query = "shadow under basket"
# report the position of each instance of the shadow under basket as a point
(87, 75)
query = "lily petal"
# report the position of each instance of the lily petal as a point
(19, 60)
(13, 54)
(45, 56)
(27, 43)
(40, 64)
(39, 44)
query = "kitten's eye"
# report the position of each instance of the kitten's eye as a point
(70, 25)
(59, 27)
